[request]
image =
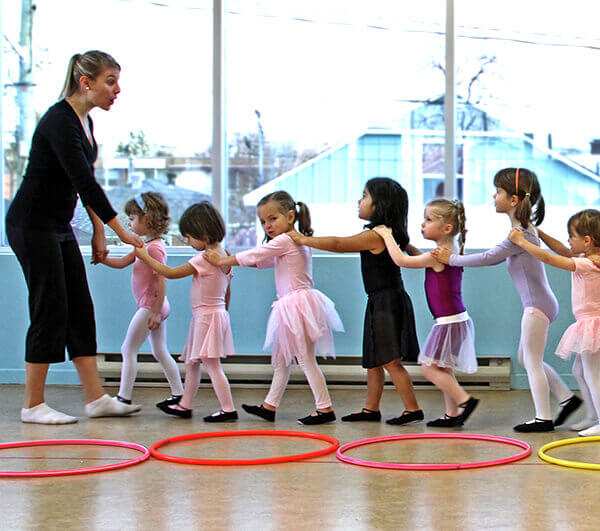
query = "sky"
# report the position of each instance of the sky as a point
(317, 71)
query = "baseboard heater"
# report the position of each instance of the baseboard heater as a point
(250, 370)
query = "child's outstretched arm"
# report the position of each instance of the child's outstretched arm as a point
(491, 257)
(121, 262)
(214, 258)
(516, 236)
(557, 246)
(181, 271)
(367, 240)
(399, 258)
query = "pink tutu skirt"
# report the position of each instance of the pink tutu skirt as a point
(209, 335)
(582, 337)
(299, 318)
(451, 345)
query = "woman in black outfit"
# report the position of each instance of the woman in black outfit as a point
(60, 168)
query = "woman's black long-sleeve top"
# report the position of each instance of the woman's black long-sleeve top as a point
(61, 166)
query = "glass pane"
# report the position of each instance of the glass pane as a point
(322, 96)
(528, 80)
(157, 136)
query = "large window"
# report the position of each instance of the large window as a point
(157, 136)
(319, 97)
(305, 82)
(527, 80)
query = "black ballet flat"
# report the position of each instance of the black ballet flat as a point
(169, 401)
(537, 426)
(367, 415)
(222, 416)
(406, 418)
(184, 413)
(319, 418)
(259, 411)
(468, 407)
(568, 407)
(446, 422)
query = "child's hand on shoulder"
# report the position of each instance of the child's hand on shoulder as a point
(442, 255)
(383, 231)
(212, 257)
(297, 236)
(141, 252)
(595, 259)
(516, 236)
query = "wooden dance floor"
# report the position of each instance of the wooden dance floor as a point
(321, 493)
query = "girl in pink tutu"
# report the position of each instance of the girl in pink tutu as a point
(303, 318)
(451, 342)
(209, 338)
(149, 218)
(582, 338)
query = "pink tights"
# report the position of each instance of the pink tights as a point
(217, 377)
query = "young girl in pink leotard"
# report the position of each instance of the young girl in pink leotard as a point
(149, 218)
(303, 318)
(209, 338)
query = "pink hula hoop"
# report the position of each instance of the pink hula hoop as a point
(74, 471)
(434, 466)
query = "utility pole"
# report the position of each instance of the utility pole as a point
(261, 140)
(26, 123)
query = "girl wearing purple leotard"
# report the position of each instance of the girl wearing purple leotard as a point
(517, 191)
(450, 344)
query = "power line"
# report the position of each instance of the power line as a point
(519, 40)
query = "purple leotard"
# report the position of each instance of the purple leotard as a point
(527, 272)
(443, 290)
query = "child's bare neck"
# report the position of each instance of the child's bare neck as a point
(151, 237)
(214, 246)
(447, 243)
(592, 251)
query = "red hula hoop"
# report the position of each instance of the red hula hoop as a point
(334, 445)
(435, 466)
(75, 471)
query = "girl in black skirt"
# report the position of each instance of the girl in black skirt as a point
(389, 332)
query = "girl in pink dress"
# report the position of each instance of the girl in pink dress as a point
(303, 318)
(582, 338)
(209, 338)
(149, 218)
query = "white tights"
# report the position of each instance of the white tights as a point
(316, 381)
(586, 370)
(217, 377)
(137, 333)
(543, 379)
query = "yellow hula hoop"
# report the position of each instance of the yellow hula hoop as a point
(563, 462)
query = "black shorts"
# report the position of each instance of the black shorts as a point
(60, 306)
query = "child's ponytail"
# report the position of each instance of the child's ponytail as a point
(525, 185)
(286, 203)
(461, 222)
(303, 218)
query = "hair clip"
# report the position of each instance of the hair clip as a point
(140, 202)
(517, 181)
